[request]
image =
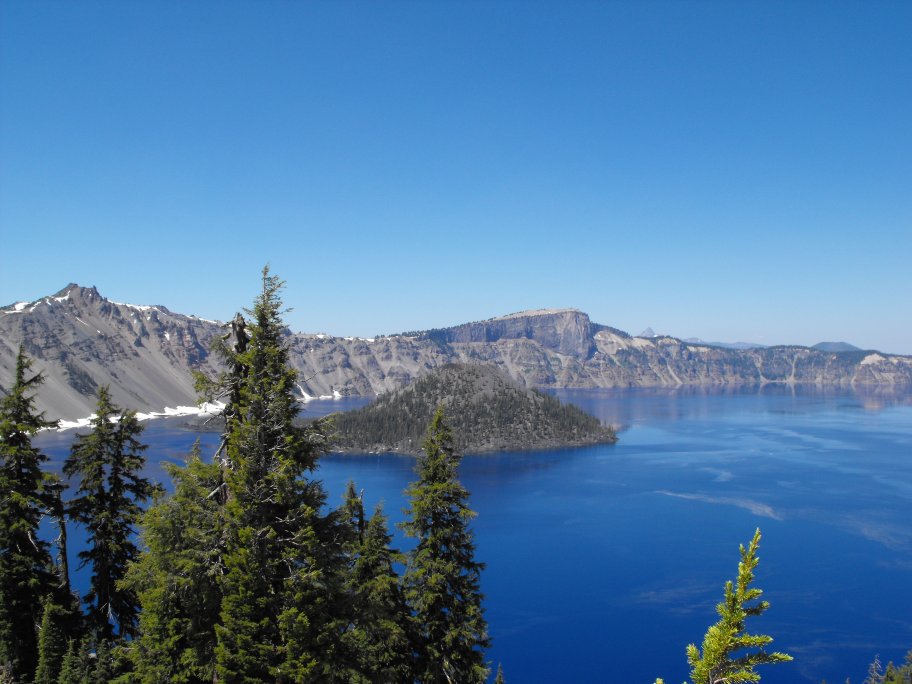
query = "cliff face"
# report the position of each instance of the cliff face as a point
(563, 331)
(80, 340)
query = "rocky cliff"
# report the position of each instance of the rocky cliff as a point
(80, 340)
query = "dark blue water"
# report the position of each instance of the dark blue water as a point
(603, 563)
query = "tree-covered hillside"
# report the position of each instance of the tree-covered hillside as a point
(487, 410)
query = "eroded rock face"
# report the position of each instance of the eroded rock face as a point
(81, 340)
(565, 331)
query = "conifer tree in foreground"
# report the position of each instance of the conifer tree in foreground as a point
(442, 578)
(176, 578)
(25, 562)
(380, 633)
(75, 668)
(52, 642)
(278, 590)
(108, 462)
(728, 653)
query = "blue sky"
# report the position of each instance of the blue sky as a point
(730, 171)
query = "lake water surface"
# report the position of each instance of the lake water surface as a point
(604, 562)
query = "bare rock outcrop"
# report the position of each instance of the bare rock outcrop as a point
(81, 340)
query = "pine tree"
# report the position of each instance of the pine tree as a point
(104, 669)
(499, 678)
(381, 633)
(442, 579)
(108, 464)
(75, 668)
(25, 577)
(717, 663)
(56, 627)
(176, 578)
(278, 590)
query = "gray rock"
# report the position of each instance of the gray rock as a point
(81, 340)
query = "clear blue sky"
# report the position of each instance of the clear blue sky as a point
(725, 170)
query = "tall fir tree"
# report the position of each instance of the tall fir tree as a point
(52, 642)
(278, 591)
(380, 636)
(176, 578)
(729, 653)
(443, 578)
(107, 463)
(77, 666)
(26, 577)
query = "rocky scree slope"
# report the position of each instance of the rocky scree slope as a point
(81, 340)
(487, 411)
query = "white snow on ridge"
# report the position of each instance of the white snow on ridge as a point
(70, 424)
(19, 306)
(304, 394)
(138, 307)
(205, 409)
(323, 397)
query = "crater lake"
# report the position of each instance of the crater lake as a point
(604, 562)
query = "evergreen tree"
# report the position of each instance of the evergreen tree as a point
(717, 663)
(104, 669)
(442, 579)
(56, 628)
(278, 592)
(76, 667)
(499, 678)
(108, 464)
(893, 674)
(176, 578)
(381, 631)
(25, 561)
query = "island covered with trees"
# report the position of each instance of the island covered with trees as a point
(487, 410)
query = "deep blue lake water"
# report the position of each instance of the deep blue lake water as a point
(603, 563)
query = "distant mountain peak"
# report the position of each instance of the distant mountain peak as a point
(649, 332)
(835, 347)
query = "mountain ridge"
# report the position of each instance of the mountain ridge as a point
(145, 353)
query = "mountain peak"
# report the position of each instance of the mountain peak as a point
(78, 291)
(835, 347)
